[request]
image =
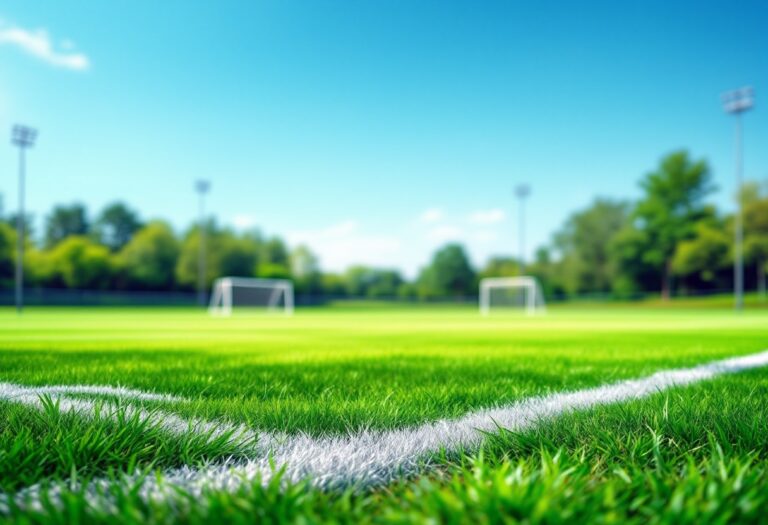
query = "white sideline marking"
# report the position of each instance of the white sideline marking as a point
(96, 390)
(168, 422)
(374, 458)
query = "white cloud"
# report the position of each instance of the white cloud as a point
(485, 236)
(445, 233)
(244, 221)
(492, 216)
(38, 44)
(341, 245)
(342, 229)
(431, 215)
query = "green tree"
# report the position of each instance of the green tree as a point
(273, 260)
(548, 272)
(7, 254)
(39, 268)
(756, 252)
(754, 198)
(356, 280)
(635, 274)
(500, 267)
(274, 251)
(333, 284)
(303, 262)
(374, 283)
(226, 254)
(408, 291)
(385, 283)
(65, 221)
(450, 274)
(672, 205)
(81, 263)
(236, 255)
(187, 263)
(703, 257)
(273, 271)
(305, 270)
(29, 223)
(116, 225)
(148, 260)
(584, 244)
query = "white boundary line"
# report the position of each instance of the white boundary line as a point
(173, 424)
(375, 458)
(7, 389)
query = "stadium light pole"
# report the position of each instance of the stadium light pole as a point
(202, 187)
(23, 137)
(735, 103)
(522, 191)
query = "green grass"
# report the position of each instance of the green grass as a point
(698, 451)
(752, 300)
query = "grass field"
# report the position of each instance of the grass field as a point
(688, 454)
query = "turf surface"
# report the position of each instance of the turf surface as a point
(330, 371)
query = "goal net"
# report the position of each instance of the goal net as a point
(511, 293)
(251, 293)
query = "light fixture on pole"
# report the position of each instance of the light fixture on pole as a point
(23, 137)
(202, 187)
(737, 102)
(522, 191)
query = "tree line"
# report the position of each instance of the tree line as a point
(671, 240)
(119, 251)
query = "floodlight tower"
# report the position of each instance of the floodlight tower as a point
(202, 187)
(23, 137)
(522, 191)
(735, 103)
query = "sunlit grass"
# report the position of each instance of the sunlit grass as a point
(329, 371)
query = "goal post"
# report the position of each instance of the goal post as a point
(246, 292)
(521, 292)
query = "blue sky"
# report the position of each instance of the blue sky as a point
(373, 131)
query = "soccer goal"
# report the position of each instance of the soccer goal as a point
(245, 292)
(511, 292)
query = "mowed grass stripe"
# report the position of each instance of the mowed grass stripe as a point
(331, 371)
(371, 459)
